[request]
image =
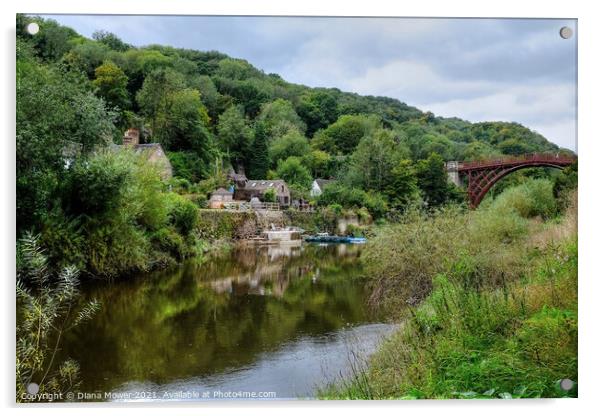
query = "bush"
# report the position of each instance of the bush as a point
(269, 195)
(187, 165)
(535, 197)
(169, 241)
(183, 214)
(348, 197)
(63, 241)
(96, 186)
(179, 185)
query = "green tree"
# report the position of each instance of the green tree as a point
(374, 159)
(58, 119)
(293, 172)
(87, 56)
(432, 180)
(514, 147)
(259, 160)
(155, 97)
(403, 185)
(280, 118)
(344, 135)
(235, 136)
(209, 95)
(186, 122)
(111, 82)
(318, 162)
(236, 69)
(52, 41)
(111, 40)
(317, 109)
(292, 143)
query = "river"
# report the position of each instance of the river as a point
(272, 322)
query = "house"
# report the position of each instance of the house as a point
(317, 187)
(152, 151)
(219, 197)
(246, 190)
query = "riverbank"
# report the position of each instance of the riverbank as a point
(492, 298)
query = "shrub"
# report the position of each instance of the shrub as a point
(179, 185)
(535, 197)
(169, 241)
(348, 197)
(96, 186)
(269, 195)
(63, 241)
(183, 214)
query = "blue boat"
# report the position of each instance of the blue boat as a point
(334, 239)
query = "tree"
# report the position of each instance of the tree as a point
(373, 160)
(209, 95)
(259, 160)
(112, 82)
(87, 56)
(235, 135)
(344, 135)
(432, 180)
(318, 162)
(187, 165)
(52, 42)
(293, 172)
(154, 98)
(280, 118)
(403, 185)
(317, 109)
(186, 123)
(111, 40)
(292, 143)
(58, 119)
(514, 147)
(236, 69)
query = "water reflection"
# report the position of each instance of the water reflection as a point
(201, 322)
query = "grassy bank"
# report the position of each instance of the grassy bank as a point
(487, 302)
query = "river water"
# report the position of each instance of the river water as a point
(273, 322)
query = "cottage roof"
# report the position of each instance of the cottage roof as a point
(221, 191)
(139, 148)
(264, 184)
(323, 182)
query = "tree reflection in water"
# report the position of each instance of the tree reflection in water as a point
(203, 319)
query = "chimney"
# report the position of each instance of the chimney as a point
(131, 137)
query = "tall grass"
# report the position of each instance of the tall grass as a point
(492, 298)
(47, 306)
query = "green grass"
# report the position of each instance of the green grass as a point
(494, 312)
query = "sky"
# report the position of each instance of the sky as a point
(477, 69)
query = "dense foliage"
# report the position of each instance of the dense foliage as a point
(205, 107)
(488, 299)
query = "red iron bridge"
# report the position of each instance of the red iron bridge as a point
(479, 176)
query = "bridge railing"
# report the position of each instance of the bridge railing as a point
(530, 157)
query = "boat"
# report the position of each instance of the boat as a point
(325, 238)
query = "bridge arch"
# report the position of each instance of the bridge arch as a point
(482, 175)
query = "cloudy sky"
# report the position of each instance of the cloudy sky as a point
(475, 69)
